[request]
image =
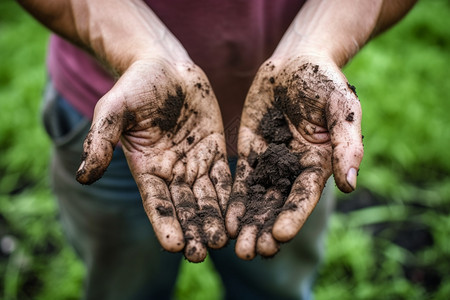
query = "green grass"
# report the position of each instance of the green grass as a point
(402, 79)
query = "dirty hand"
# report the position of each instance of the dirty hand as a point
(301, 123)
(168, 121)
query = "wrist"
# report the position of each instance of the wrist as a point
(134, 34)
(297, 44)
(145, 50)
(333, 29)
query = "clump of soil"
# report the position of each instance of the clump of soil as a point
(190, 140)
(350, 117)
(274, 127)
(274, 171)
(353, 88)
(276, 167)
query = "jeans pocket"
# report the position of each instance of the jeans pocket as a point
(66, 127)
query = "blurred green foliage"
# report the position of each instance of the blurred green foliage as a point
(402, 79)
(396, 246)
(23, 145)
(403, 82)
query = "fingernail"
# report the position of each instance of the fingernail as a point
(351, 177)
(81, 166)
(81, 170)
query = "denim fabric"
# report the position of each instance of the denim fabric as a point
(107, 226)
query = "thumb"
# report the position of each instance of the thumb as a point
(100, 142)
(344, 115)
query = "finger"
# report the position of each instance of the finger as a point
(161, 212)
(235, 211)
(262, 208)
(238, 198)
(209, 214)
(246, 242)
(266, 245)
(99, 144)
(187, 208)
(262, 211)
(304, 195)
(195, 251)
(221, 178)
(344, 115)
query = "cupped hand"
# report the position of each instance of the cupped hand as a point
(301, 123)
(168, 121)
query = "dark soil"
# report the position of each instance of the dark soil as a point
(274, 127)
(164, 211)
(350, 117)
(274, 171)
(353, 88)
(273, 174)
(276, 167)
(190, 140)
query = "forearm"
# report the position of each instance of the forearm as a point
(116, 32)
(338, 29)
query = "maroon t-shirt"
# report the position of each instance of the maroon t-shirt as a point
(229, 40)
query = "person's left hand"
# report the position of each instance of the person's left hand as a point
(301, 123)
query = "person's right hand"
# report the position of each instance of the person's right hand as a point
(168, 121)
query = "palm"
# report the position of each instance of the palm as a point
(286, 148)
(173, 140)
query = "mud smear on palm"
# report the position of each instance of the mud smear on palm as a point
(168, 115)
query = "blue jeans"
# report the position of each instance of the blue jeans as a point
(108, 228)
